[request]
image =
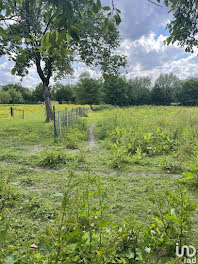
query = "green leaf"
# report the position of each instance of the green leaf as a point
(148, 250)
(3, 234)
(111, 26)
(106, 8)
(68, 37)
(168, 40)
(106, 30)
(117, 19)
(191, 207)
(45, 41)
(28, 40)
(13, 71)
(2, 32)
(75, 33)
(98, 4)
(48, 16)
(10, 260)
(54, 36)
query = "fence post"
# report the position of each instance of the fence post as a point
(55, 132)
(59, 123)
(11, 111)
(67, 118)
(23, 114)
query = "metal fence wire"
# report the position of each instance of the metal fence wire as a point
(13, 112)
(66, 118)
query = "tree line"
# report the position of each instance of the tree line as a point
(116, 90)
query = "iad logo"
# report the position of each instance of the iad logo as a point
(187, 251)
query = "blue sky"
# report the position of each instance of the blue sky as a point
(143, 31)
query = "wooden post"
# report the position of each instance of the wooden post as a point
(55, 132)
(11, 111)
(67, 118)
(59, 123)
(23, 112)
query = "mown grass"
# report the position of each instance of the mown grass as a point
(38, 169)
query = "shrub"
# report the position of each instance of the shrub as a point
(52, 158)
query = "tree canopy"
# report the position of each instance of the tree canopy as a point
(183, 28)
(54, 34)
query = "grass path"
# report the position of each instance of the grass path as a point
(92, 140)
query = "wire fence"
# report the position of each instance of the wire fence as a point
(13, 112)
(66, 118)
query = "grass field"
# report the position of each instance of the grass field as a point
(49, 191)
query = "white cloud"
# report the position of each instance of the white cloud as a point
(148, 56)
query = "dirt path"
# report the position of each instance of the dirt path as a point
(92, 140)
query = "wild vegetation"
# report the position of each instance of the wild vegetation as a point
(127, 198)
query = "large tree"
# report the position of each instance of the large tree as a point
(51, 34)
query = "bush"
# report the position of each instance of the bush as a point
(52, 158)
(5, 97)
(189, 92)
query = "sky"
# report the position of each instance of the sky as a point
(143, 31)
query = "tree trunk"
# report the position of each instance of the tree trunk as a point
(91, 106)
(48, 107)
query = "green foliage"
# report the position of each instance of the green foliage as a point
(138, 135)
(38, 93)
(16, 97)
(115, 90)
(183, 27)
(88, 90)
(63, 93)
(166, 89)
(171, 221)
(189, 92)
(15, 94)
(55, 33)
(191, 174)
(5, 97)
(75, 134)
(53, 158)
(139, 91)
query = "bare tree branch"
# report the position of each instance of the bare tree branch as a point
(155, 3)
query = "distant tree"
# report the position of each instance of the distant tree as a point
(139, 91)
(115, 90)
(165, 89)
(63, 93)
(88, 90)
(5, 97)
(25, 92)
(27, 95)
(37, 94)
(189, 92)
(16, 97)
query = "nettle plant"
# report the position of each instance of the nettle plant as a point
(171, 221)
(191, 175)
